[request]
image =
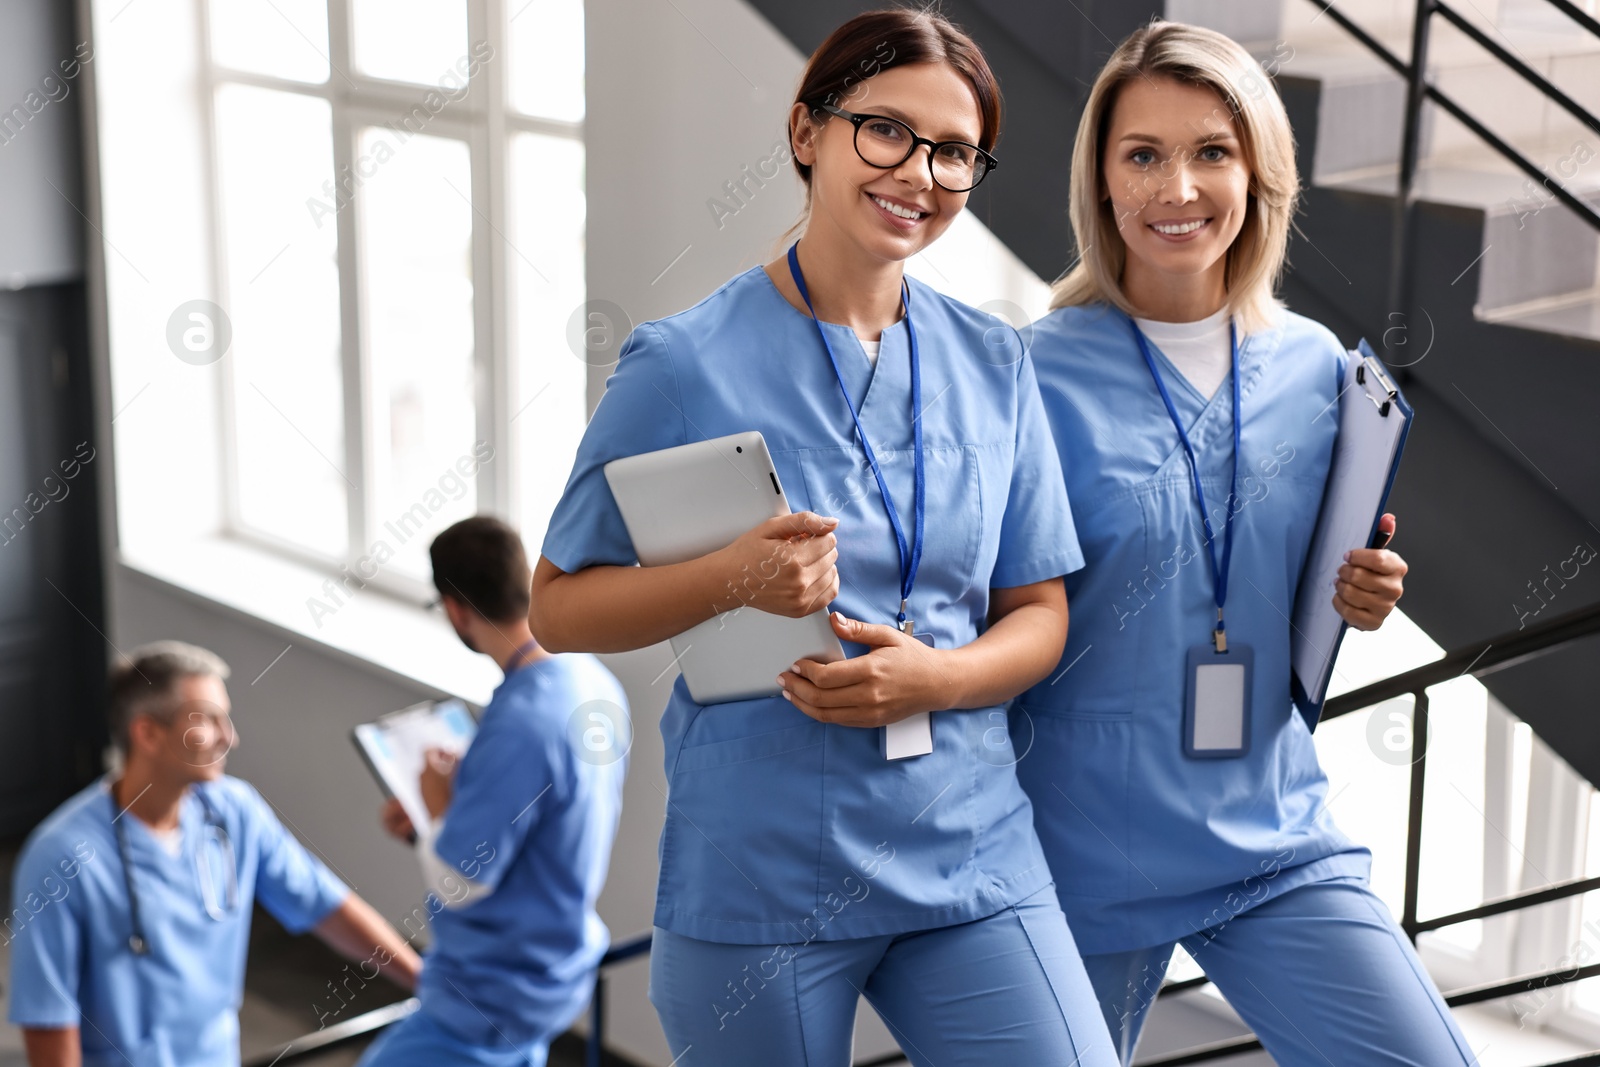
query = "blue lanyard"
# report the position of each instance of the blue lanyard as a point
(1219, 573)
(910, 555)
(519, 658)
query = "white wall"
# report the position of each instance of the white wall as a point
(294, 729)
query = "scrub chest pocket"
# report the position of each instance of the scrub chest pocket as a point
(838, 483)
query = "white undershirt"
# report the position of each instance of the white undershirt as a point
(171, 841)
(871, 349)
(1198, 349)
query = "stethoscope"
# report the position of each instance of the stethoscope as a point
(218, 907)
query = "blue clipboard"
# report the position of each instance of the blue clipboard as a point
(1374, 421)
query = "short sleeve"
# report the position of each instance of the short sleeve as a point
(641, 411)
(45, 934)
(291, 883)
(507, 782)
(1038, 540)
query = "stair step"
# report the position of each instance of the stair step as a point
(1540, 263)
(1535, 248)
(1492, 184)
(1364, 98)
(1577, 317)
(1532, 31)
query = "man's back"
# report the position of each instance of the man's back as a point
(533, 817)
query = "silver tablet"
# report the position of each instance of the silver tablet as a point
(681, 503)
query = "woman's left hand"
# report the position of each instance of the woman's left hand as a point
(1370, 583)
(900, 676)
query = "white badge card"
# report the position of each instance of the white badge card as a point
(913, 735)
(1216, 717)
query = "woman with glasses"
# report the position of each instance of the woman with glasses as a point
(800, 867)
(1200, 416)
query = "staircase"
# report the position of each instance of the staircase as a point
(1497, 330)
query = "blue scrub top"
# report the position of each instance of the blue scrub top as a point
(779, 828)
(532, 818)
(1149, 845)
(69, 927)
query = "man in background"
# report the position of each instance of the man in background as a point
(522, 827)
(132, 901)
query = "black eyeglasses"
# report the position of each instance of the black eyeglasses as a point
(885, 143)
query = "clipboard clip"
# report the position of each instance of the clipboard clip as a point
(1389, 389)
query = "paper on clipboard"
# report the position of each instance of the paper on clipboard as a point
(394, 747)
(1374, 419)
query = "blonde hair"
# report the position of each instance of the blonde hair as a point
(1212, 60)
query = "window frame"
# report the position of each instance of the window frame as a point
(483, 119)
(1454, 965)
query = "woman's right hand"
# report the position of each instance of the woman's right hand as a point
(785, 566)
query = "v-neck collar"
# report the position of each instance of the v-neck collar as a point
(861, 375)
(1171, 372)
(1215, 415)
(145, 838)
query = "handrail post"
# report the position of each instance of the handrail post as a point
(1419, 776)
(594, 1048)
(1410, 148)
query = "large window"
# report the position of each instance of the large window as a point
(383, 206)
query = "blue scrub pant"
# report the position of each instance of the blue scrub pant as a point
(1008, 988)
(1321, 973)
(419, 1041)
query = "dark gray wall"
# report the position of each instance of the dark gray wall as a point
(52, 652)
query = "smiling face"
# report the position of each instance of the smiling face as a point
(188, 736)
(887, 214)
(1175, 172)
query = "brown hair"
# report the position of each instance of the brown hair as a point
(876, 41)
(481, 562)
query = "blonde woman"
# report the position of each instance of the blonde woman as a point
(1175, 786)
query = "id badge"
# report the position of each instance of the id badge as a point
(913, 735)
(1216, 716)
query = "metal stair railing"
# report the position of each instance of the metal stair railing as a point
(307, 1047)
(1477, 660)
(361, 1027)
(1419, 89)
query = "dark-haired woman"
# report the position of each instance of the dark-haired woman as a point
(800, 867)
